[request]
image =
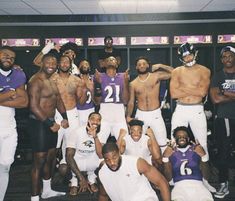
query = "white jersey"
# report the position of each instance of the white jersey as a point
(139, 149)
(126, 184)
(7, 119)
(83, 142)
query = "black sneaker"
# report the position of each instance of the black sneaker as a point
(223, 190)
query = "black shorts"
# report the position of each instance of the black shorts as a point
(42, 138)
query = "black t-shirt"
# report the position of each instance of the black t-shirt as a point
(227, 82)
(104, 55)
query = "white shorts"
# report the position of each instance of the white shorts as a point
(193, 115)
(73, 124)
(8, 143)
(190, 190)
(113, 119)
(154, 120)
(83, 116)
(89, 165)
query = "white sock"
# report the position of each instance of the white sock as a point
(46, 185)
(51, 193)
(4, 175)
(35, 198)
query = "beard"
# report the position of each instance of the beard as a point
(84, 72)
(182, 145)
(5, 68)
(97, 128)
(64, 71)
(143, 72)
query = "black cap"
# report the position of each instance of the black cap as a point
(227, 49)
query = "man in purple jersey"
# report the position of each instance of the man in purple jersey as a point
(182, 163)
(111, 91)
(89, 106)
(12, 95)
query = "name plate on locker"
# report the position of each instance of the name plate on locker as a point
(21, 42)
(150, 40)
(62, 41)
(230, 38)
(100, 41)
(193, 39)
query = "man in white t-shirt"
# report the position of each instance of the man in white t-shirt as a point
(140, 144)
(83, 153)
(127, 178)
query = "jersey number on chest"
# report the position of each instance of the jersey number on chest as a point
(113, 93)
(185, 170)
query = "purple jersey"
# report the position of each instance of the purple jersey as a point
(186, 165)
(15, 79)
(89, 103)
(112, 88)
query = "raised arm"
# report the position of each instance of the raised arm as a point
(38, 59)
(120, 141)
(156, 67)
(125, 94)
(131, 102)
(81, 91)
(154, 147)
(155, 177)
(97, 87)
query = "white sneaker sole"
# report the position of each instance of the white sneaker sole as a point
(221, 196)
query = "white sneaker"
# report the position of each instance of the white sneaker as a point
(51, 193)
(208, 186)
(223, 190)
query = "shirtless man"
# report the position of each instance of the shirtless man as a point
(89, 106)
(140, 144)
(189, 84)
(145, 89)
(44, 100)
(12, 95)
(112, 93)
(71, 89)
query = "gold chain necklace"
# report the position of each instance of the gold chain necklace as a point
(145, 78)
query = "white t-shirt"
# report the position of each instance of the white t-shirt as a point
(84, 143)
(126, 184)
(139, 149)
